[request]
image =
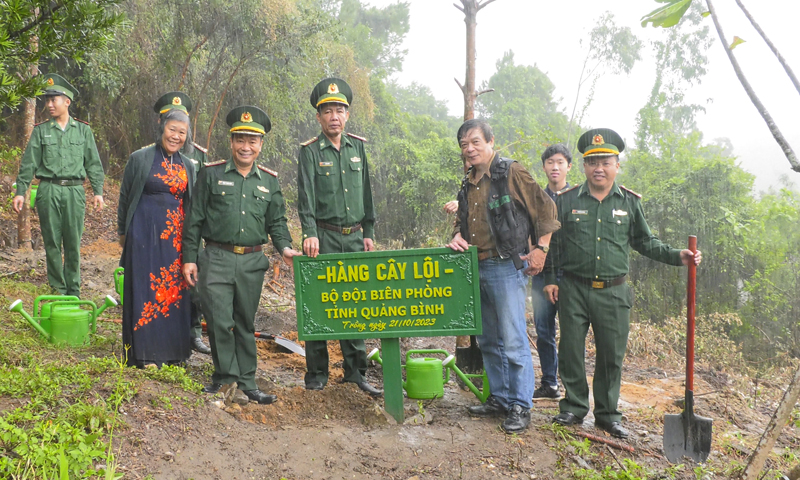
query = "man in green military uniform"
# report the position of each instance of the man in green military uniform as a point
(334, 202)
(600, 221)
(197, 155)
(237, 205)
(61, 153)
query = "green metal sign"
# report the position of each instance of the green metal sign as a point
(388, 294)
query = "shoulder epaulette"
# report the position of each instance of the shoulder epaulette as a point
(356, 136)
(148, 146)
(271, 172)
(40, 123)
(204, 150)
(630, 191)
(79, 120)
(214, 164)
(562, 192)
(309, 142)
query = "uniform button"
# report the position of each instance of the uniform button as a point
(598, 220)
(305, 236)
(479, 188)
(596, 276)
(327, 173)
(598, 257)
(619, 221)
(473, 219)
(473, 234)
(348, 208)
(598, 239)
(243, 195)
(577, 219)
(242, 212)
(342, 171)
(345, 189)
(243, 229)
(223, 193)
(476, 204)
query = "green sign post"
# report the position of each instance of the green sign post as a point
(428, 292)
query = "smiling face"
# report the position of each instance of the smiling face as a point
(245, 149)
(57, 105)
(174, 136)
(332, 117)
(475, 149)
(601, 171)
(556, 168)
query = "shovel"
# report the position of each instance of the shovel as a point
(283, 342)
(687, 434)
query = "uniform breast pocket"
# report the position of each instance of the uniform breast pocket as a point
(327, 177)
(221, 198)
(620, 225)
(49, 149)
(76, 146)
(576, 224)
(355, 176)
(262, 199)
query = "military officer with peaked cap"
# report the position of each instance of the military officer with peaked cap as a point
(197, 155)
(61, 153)
(237, 205)
(600, 222)
(336, 212)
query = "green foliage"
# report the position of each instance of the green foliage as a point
(37, 31)
(668, 15)
(632, 471)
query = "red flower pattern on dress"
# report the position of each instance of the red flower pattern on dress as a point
(169, 285)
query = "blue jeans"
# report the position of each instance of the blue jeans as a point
(504, 342)
(544, 316)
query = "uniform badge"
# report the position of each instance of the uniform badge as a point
(50, 82)
(618, 213)
(355, 159)
(246, 117)
(598, 140)
(262, 188)
(176, 100)
(325, 164)
(333, 88)
(580, 212)
(224, 183)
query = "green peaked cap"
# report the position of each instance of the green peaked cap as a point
(600, 142)
(173, 100)
(331, 89)
(58, 85)
(248, 119)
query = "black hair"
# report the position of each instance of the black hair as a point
(556, 149)
(180, 116)
(474, 123)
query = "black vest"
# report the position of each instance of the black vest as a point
(509, 222)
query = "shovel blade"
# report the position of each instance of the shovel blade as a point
(687, 435)
(290, 345)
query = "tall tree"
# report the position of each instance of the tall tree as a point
(470, 9)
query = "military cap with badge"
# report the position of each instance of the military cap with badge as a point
(331, 90)
(58, 85)
(173, 101)
(600, 142)
(249, 120)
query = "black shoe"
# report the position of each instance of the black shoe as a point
(614, 428)
(517, 420)
(199, 346)
(567, 419)
(546, 391)
(212, 388)
(260, 397)
(314, 385)
(370, 389)
(491, 408)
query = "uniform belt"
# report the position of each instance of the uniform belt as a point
(64, 182)
(596, 283)
(487, 254)
(235, 248)
(338, 229)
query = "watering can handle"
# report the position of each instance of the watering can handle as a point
(439, 351)
(42, 298)
(80, 302)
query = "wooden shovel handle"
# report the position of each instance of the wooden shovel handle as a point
(690, 301)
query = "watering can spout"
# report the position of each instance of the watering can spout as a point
(17, 307)
(109, 302)
(375, 354)
(450, 363)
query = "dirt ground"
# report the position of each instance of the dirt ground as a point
(341, 433)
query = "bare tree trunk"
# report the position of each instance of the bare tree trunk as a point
(773, 431)
(771, 46)
(222, 97)
(773, 127)
(189, 60)
(24, 217)
(470, 9)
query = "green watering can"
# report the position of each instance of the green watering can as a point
(33, 193)
(62, 320)
(119, 282)
(482, 395)
(425, 377)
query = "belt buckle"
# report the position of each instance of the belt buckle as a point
(598, 284)
(63, 183)
(238, 249)
(347, 230)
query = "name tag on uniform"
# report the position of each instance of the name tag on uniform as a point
(47, 136)
(325, 164)
(618, 213)
(262, 188)
(223, 182)
(580, 212)
(355, 159)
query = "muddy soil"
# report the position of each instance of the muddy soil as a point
(341, 433)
